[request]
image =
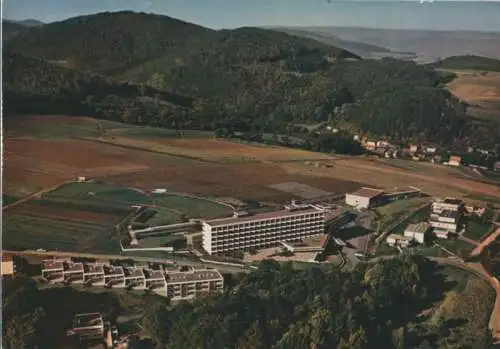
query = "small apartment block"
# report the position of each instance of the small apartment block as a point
(134, 277)
(93, 274)
(193, 282)
(53, 270)
(73, 272)
(446, 216)
(244, 231)
(114, 276)
(88, 326)
(155, 279)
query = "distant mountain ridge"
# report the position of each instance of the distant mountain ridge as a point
(428, 45)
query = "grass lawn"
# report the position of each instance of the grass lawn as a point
(193, 207)
(27, 232)
(454, 245)
(400, 206)
(79, 190)
(162, 241)
(164, 216)
(51, 129)
(430, 251)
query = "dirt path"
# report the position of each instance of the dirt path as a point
(34, 195)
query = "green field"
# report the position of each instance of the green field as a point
(477, 228)
(455, 245)
(28, 232)
(169, 205)
(192, 206)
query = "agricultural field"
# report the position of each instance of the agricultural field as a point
(33, 232)
(68, 225)
(144, 158)
(431, 179)
(477, 228)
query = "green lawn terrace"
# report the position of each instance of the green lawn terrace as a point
(169, 208)
(30, 232)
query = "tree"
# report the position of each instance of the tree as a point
(252, 338)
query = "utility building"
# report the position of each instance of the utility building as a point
(364, 198)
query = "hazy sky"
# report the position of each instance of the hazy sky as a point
(471, 15)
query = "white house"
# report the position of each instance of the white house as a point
(398, 240)
(417, 231)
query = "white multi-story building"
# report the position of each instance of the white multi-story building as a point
(244, 231)
(448, 204)
(186, 284)
(417, 231)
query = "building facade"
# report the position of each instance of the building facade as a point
(262, 230)
(8, 266)
(364, 198)
(417, 231)
(193, 283)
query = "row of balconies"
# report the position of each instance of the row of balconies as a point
(267, 223)
(275, 237)
(283, 230)
(260, 226)
(279, 233)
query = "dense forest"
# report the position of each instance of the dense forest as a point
(276, 306)
(247, 79)
(467, 62)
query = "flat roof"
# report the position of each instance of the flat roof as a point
(7, 257)
(71, 266)
(133, 272)
(193, 275)
(87, 320)
(151, 274)
(421, 227)
(52, 265)
(113, 270)
(399, 237)
(262, 216)
(367, 192)
(94, 268)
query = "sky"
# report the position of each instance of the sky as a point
(440, 15)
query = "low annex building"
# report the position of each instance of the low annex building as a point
(364, 198)
(398, 240)
(417, 231)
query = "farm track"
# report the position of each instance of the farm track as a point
(35, 195)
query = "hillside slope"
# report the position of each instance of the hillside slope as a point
(35, 86)
(107, 42)
(468, 62)
(247, 79)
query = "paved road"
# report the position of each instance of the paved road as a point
(178, 259)
(492, 237)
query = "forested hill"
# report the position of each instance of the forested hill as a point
(110, 43)
(35, 86)
(467, 62)
(247, 79)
